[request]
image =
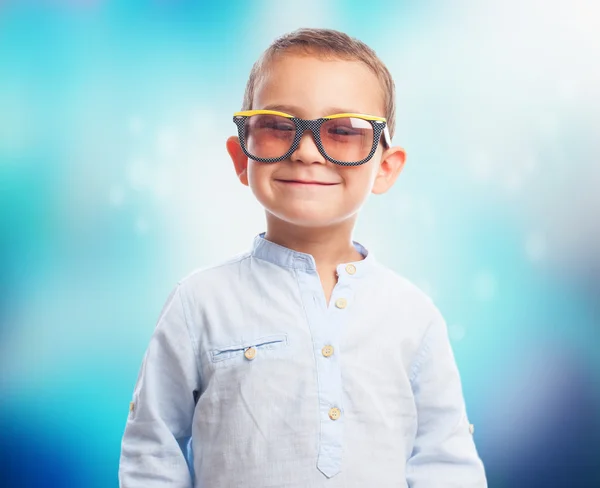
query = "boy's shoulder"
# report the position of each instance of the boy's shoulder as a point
(399, 280)
(208, 273)
(404, 289)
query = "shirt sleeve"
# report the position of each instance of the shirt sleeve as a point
(444, 453)
(159, 425)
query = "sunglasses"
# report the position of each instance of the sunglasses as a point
(269, 136)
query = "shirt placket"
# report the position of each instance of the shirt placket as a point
(327, 324)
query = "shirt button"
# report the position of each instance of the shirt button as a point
(351, 269)
(250, 353)
(327, 351)
(341, 303)
(334, 413)
(471, 428)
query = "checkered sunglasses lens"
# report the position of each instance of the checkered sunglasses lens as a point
(347, 139)
(269, 136)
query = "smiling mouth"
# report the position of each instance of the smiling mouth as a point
(306, 183)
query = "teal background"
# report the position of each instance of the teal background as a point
(115, 183)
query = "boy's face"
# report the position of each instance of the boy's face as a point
(309, 87)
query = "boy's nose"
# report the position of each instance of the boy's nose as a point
(307, 151)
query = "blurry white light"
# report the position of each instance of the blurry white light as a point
(138, 174)
(167, 142)
(136, 125)
(163, 187)
(549, 125)
(456, 332)
(116, 195)
(276, 18)
(141, 226)
(481, 166)
(512, 181)
(484, 286)
(567, 90)
(535, 246)
(528, 163)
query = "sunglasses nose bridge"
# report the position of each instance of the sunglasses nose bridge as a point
(308, 128)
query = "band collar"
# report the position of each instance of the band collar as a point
(289, 258)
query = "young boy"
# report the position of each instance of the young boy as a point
(304, 362)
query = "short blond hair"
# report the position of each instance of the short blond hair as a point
(328, 43)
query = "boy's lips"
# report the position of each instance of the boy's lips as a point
(307, 182)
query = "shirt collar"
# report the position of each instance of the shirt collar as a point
(289, 258)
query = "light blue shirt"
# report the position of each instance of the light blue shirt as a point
(252, 380)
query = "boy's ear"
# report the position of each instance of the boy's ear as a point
(392, 162)
(240, 160)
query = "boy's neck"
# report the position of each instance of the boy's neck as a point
(329, 246)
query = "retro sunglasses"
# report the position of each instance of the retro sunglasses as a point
(346, 139)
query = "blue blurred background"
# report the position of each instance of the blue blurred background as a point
(115, 183)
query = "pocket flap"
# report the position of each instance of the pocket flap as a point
(265, 342)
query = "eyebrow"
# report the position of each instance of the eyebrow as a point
(292, 110)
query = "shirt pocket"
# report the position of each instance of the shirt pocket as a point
(261, 344)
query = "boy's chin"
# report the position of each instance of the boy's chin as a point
(309, 219)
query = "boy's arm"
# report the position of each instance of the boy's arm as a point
(160, 418)
(444, 453)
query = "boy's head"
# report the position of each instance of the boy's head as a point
(313, 74)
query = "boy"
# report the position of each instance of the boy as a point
(304, 362)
